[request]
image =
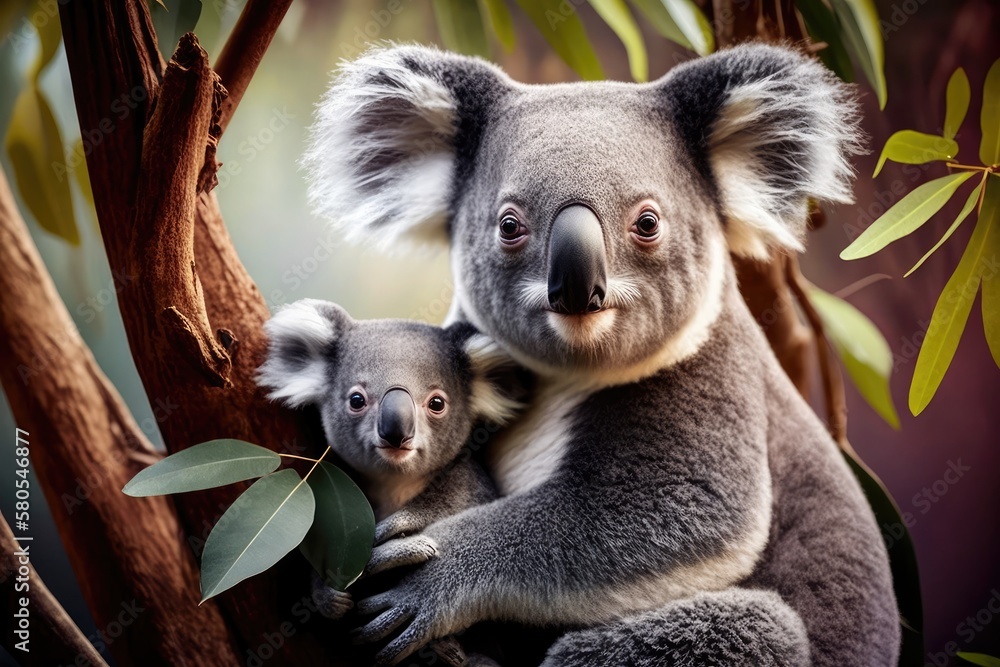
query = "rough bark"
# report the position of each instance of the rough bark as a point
(55, 639)
(85, 447)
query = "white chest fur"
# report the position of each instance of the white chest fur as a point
(528, 452)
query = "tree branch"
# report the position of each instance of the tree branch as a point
(55, 639)
(84, 443)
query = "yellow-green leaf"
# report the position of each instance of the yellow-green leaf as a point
(461, 27)
(49, 35)
(618, 17)
(906, 216)
(500, 21)
(861, 346)
(956, 102)
(970, 204)
(989, 149)
(980, 659)
(911, 147)
(680, 21)
(991, 268)
(823, 27)
(559, 24)
(859, 19)
(35, 146)
(954, 305)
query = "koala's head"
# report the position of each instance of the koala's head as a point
(395, 396)
(589, 223)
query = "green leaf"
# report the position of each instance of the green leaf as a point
(564, 32)
(911, 147)
(205, 466)
(461, 27)
(500, 21)
(618, 17)
(866, 356)
(266, 522)
(954, 305)
(956, 102)
(970, 203)
(859, 19)
(906, 216)
(902, 560)
(35, 146)
(979, 659)
(680, 21)
(823, 27)
(991, 267)
(49, 35)
(989, 149)
(339, 543)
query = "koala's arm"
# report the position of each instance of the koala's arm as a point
(461, 485)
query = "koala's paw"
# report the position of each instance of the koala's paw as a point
(332, 603)
(401, 552)
(402, 522)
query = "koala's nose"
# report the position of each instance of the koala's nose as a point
(577, 262)
(396, 418)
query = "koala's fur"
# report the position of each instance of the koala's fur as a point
(669, 494)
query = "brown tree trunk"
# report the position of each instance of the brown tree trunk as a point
(84, 446)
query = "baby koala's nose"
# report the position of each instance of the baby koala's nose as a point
(396, 418)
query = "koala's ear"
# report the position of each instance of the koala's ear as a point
(301, 344)
(493, 380)
(770, 128)
(392, 138)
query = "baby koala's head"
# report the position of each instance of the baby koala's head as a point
(395, 396)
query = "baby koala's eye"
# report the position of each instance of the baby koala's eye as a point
(436, 405)
(357, 401)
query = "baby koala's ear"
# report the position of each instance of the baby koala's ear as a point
(493, 380)
(301, 344)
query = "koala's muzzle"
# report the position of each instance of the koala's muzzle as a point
(577, 269)
(397, 419)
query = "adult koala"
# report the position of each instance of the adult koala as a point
(669, 497)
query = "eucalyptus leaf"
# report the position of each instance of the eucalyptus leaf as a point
(35, 146)
(680, 21)
(980, 659)
(823, 27)
(559, 24)
(205, 466)
(859, 19)
(266, 522)
(339, 543)
(989, 148)
(956, 102)
(49, 36)
(461, 27)
(912, 147)
(954, 305)
(906, 216)
(902, 560)
(970, 204)
(864, 351)
(500, 21)
(991, 267)
(618, 17)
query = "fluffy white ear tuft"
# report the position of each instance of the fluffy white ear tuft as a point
(781, 129)
(301, 337)
(381, 159)
(489, 361)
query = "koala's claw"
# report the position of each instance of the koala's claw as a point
(450, 652)
(403, 521)
(380, 628)
(403, 551)
(332, 603)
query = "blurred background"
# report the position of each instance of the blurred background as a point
(955, 518)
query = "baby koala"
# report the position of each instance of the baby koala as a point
(398, 401)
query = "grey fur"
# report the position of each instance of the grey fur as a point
(668, 483)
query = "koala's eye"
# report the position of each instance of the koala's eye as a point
(357, 401)
(646, 227)
(436, 405)
(512, 232)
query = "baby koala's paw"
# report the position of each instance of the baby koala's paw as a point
(332, 603)
(403, 522)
